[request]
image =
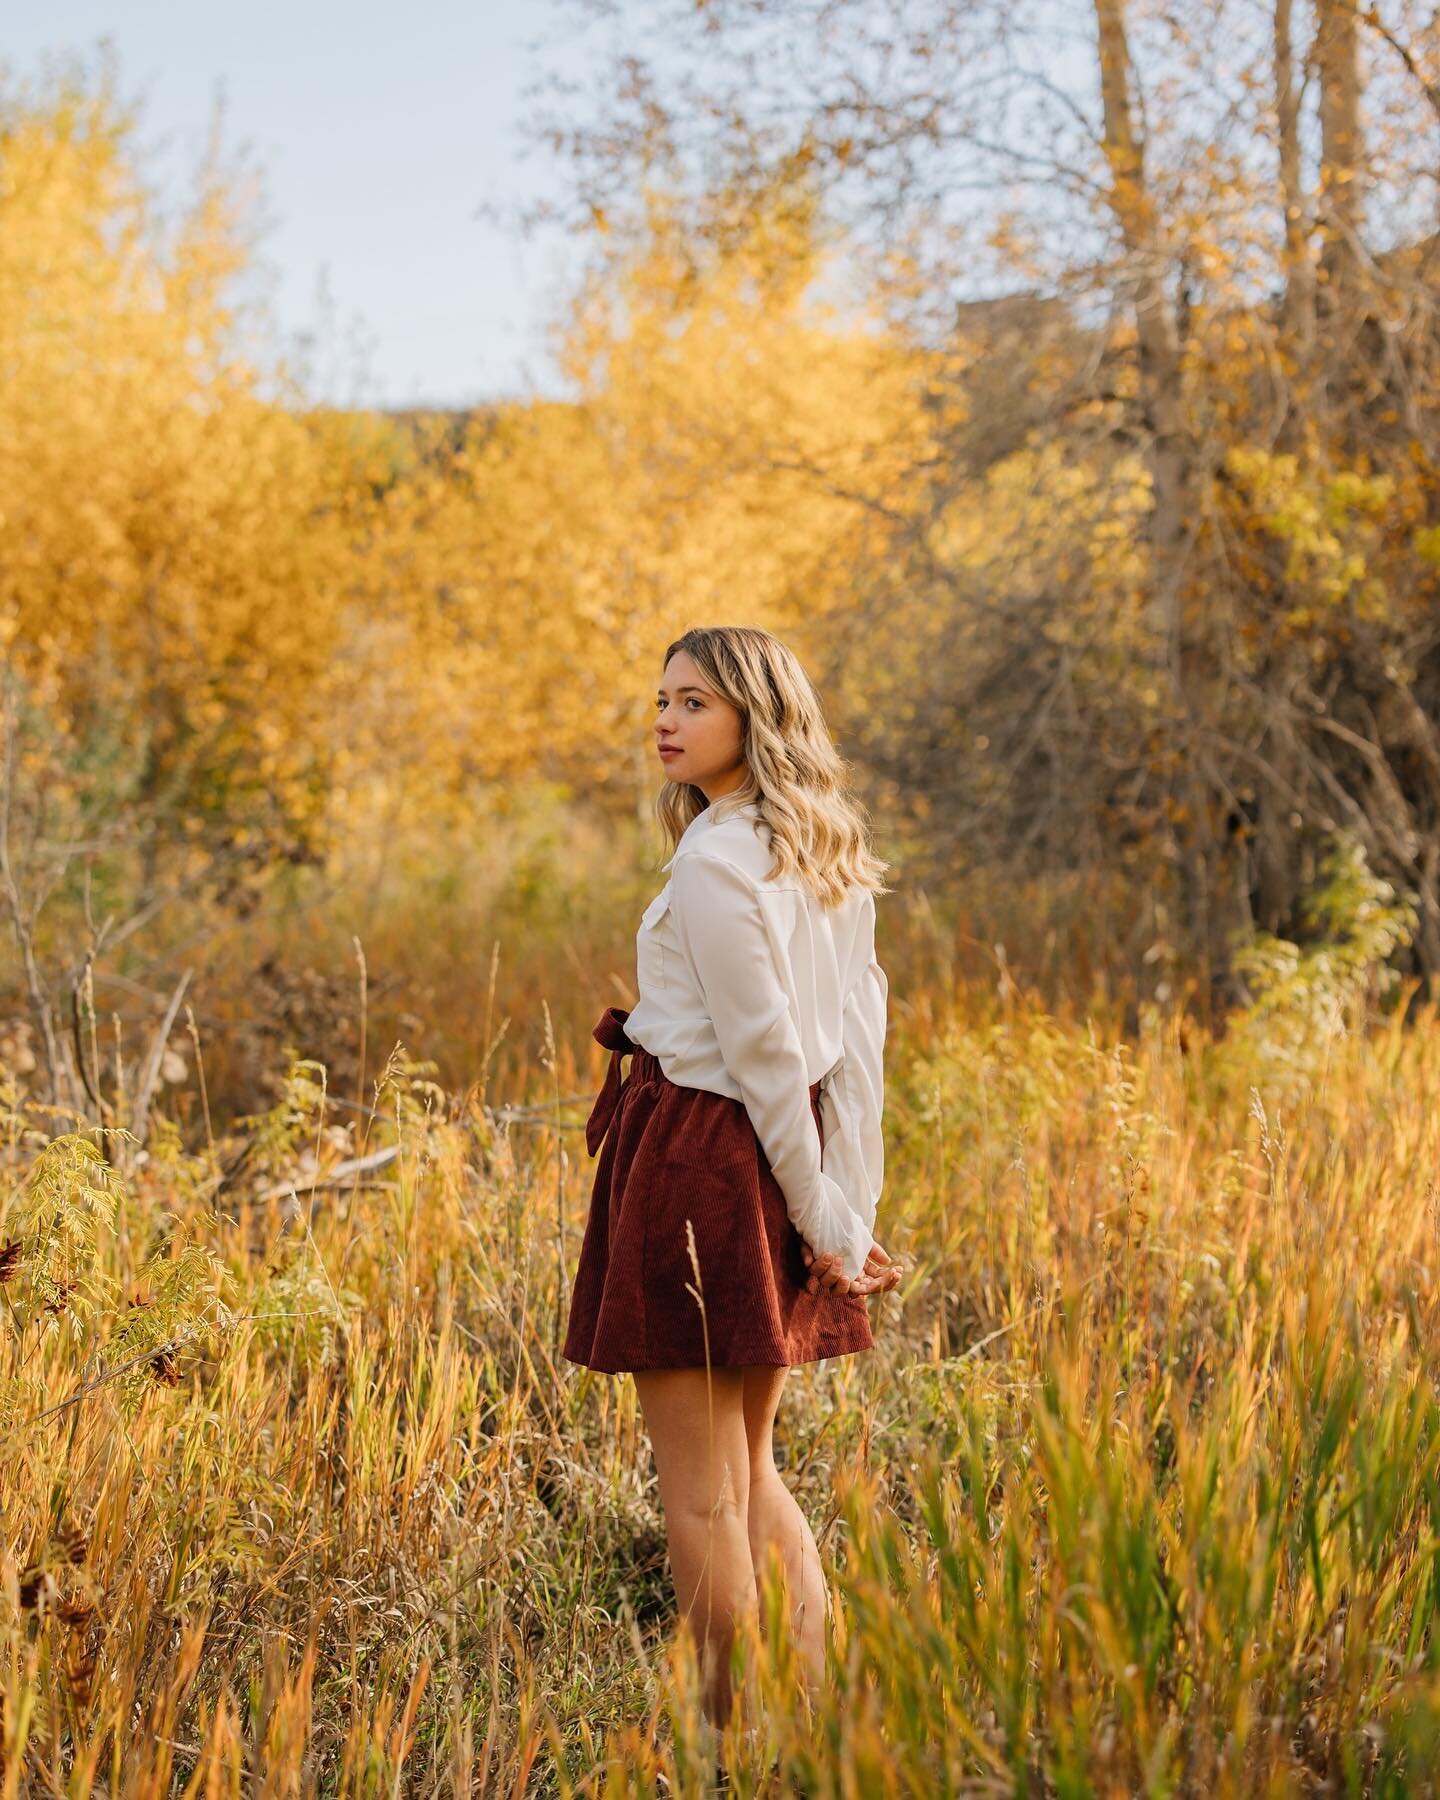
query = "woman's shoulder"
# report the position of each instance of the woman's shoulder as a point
(726, 860)
(735, 853)
(742, 864)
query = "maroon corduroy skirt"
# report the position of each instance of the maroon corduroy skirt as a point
(672, 1155)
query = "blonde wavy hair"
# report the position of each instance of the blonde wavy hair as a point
(801, 783)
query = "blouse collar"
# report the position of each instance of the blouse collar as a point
(706, 821)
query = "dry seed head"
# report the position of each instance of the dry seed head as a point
(74, 1540)
(38, 1590)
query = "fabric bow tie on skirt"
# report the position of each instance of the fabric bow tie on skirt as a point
(610, 1031)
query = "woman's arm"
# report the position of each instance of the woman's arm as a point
(852, 1103)
(720, 921)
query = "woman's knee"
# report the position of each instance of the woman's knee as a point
(709, 1497)
(713, 1565)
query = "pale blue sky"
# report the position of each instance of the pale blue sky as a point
(377, 130)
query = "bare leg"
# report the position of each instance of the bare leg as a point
(697, 1426)
(776, 1521)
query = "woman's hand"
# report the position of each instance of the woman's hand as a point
(878, 1277)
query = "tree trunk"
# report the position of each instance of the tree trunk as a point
(1298, 310)
(1273, 862)
(1204, 896)
(1342, 152)
(1156, 330)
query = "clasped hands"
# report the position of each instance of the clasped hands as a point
(880, 1274)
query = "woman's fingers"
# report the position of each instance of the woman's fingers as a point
(879, 1262)
(880, 1274)
(876, 1281)
(825, 1271)
(862, 1284)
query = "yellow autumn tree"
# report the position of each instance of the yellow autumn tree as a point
(742, 431)
(181, 542)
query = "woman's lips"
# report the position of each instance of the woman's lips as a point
(671, 750)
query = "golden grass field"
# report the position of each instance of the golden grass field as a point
(1140, 1492)
(1064, 392)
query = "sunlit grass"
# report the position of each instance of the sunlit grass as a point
(1138, 1493)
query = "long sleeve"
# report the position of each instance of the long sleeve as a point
(719, 916)
(852, 1102)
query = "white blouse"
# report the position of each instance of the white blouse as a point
(753, 989)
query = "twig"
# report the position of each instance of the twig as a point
(140, 1122)
(355, 1165)
(1370, 16)
(110, 1374)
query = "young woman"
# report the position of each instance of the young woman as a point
(730, 1229)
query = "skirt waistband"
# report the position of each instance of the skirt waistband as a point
(645, 1067)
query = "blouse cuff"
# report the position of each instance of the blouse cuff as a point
(839, 1230)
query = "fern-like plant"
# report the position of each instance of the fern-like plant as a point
(1302, 997)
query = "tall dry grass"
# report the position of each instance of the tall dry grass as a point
(1140, 1492)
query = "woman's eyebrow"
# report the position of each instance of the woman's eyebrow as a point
(685, 690)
